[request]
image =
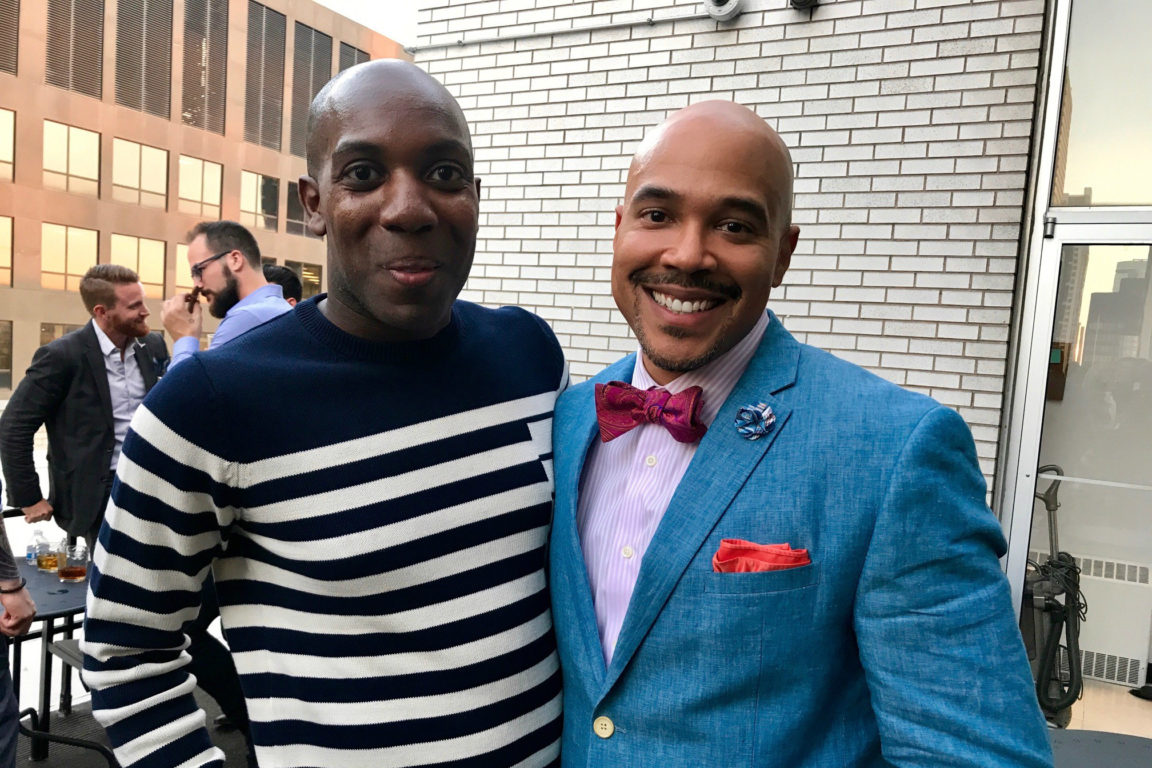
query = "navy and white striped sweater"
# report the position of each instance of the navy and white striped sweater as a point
(377, 515)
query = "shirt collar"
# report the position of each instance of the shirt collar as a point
(263, 293)
(717, 378)
(107, 348)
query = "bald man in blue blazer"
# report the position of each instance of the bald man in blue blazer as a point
(812, 578)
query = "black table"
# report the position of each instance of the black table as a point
(55, 601)
(1076, 749)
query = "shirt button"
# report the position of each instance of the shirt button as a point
(603, 727)
(650, 461)
(627, 552)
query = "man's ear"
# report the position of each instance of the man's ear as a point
(309, 192)
(99, 311)
(784, 256)
(619, 215)
(236, 261)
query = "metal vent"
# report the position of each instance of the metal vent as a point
(75, 46)
(264, 97)
(1135, 573)
(350, 56)
(9, 34)
(205, 66)
(144, 56)
(1115, 669)
(311, 68)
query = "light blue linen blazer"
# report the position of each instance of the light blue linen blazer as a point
(898, 644)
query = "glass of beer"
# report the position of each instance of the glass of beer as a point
(74, 563)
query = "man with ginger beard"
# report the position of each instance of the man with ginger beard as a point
(762, 554)
(368, 477)
(84, 387)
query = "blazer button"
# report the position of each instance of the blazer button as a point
(603, 727)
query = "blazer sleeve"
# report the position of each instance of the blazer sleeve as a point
(941, 649)
(35, 400)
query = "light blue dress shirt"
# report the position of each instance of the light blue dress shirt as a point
(125, 385)
(255, 309)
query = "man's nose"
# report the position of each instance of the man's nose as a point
(407, 207)
(689, 250)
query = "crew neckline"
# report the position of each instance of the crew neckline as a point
(331, 336)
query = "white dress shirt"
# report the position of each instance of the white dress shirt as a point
(125, 385)
(628, 483)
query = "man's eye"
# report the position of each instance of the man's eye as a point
(448, 174)
(735, 228)
(654, 216)
(362, 174)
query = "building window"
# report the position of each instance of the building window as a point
(71, 159)
(205, 64)
(145, 257)
(311, 68)
(183, 272)
(144, 56)
(264, 94)
(7, 142)
(5, 251)
(66, 253)
(49, 332)
(309, 275)
(200, 187)
(139, 174)
(9, 34)
(75, 46)
(259, 201)
(297, 218)
(5, 354)
(350, 56)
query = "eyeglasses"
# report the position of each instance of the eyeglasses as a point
(198, 267)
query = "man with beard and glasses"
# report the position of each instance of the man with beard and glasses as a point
(762, 554)
(368, 477)
(226, 270)
(84, 386)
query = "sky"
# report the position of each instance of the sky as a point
(392, 18)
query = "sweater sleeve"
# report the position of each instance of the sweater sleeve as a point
(170, 505)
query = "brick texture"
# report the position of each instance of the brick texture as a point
(909, 122)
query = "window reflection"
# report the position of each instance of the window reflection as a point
(66, 253)
(259, 201)
(7, 143)
(310, 276)
(1104, 145)
(143, 256)
(183, 272)
(5, 354)
(71, 159)
(200, 187)
(5, 250)
(51, 331)
(139, 174)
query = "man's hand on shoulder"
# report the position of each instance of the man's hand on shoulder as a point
(179, 320)
(19, 610)
(38, 512)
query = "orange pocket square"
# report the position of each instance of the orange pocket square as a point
(738, 556)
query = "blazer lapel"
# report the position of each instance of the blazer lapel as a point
(576, 428)
(718, 471)
(95, 358)
(145, 364)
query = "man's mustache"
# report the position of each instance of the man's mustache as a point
(687, 281)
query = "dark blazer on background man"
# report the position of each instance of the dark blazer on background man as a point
(66, 388)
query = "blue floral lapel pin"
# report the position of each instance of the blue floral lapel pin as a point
(755, 421)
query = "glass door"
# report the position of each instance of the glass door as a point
(1088, 487)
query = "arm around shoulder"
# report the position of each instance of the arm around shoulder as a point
(938, 637)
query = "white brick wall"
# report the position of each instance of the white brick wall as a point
(909, 122)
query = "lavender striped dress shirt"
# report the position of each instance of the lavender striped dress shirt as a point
(628, 483)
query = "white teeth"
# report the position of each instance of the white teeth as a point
(682, 307)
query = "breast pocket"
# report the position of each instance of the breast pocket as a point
(759, 583)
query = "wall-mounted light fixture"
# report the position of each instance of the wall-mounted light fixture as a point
(723, 10)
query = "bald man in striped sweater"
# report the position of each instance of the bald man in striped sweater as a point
(368, 477)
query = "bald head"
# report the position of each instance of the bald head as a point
(721, 127)
(381, 81)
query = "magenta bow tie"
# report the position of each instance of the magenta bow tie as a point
(620, 407)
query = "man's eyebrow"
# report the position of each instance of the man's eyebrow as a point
(651, 192)
(360, 147)
(748, 205)
(355, 147)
